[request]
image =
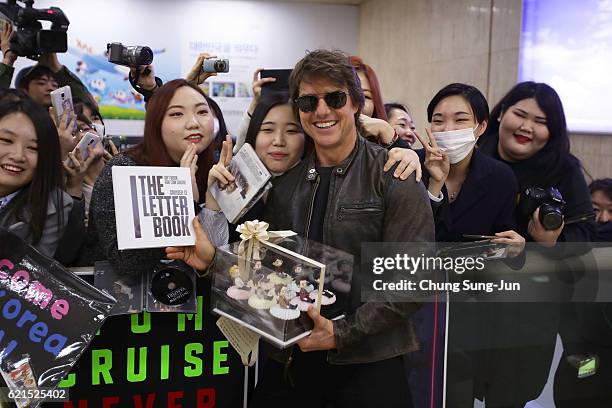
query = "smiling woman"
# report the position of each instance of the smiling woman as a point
(32, 204)
(178, 132)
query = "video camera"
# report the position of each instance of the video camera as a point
(129, 56)
(29, 38)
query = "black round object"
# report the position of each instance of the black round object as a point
(551, 217)
(171, 286)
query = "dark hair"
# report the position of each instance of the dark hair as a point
(471, 94)
(331, 65)
(27, 75)
(152, 151)
(13, 94)
(377, 100)
(80, 104)
(555, 155)
(222, 131)
(395, 105)
(262, 108)
(603, 185)
(47, 182)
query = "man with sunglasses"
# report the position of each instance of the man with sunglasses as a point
(340, 195)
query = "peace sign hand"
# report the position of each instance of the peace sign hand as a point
(436, 161)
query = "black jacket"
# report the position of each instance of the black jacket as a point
(365, 204)
(485, 205)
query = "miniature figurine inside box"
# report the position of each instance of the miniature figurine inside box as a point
(269, 287)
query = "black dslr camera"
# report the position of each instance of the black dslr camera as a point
(29, 38)
(129, 56)
(548, 200)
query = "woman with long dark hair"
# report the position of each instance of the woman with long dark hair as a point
(528, 132)
(32, 203)
(178, 132)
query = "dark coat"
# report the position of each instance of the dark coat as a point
(485, 205)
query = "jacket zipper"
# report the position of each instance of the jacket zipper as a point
(314, 193)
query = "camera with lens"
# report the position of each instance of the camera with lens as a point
(29, 38)
(215, 65)
(136, 56)
(548, 200)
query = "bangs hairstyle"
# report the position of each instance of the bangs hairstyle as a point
(556, 153)
(379, 106)
(152, 150)
(333, 66)
(47, 182)
(391, 106)
(260, 112)
(471, 94)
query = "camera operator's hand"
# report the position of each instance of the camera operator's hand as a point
(65, 131)
(408, 163)
(536, 230)
(190, 159)
(76, 169)
(8, 56)
(436, 163)
(50, 61)
(198, 256)
(257, 84)
(515, 240)
(146, 77)
(219, 173)
(197, 74)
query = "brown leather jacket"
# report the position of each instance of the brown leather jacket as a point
(365, 204)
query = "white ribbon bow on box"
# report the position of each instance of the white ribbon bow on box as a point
(252, 234)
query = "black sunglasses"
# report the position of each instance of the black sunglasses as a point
(309, 103)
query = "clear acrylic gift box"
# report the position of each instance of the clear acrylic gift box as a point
(270, 291)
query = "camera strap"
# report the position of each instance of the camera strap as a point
(144, 92)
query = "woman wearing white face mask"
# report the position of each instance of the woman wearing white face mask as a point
(470, 193)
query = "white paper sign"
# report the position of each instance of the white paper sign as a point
(153, 206)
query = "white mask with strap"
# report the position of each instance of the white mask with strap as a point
(457, 144)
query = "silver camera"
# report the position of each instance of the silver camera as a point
(215, 65)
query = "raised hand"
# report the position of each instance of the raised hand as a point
(257, 85)
(436, 163)
(145, 77)
(197, 75)
(76, 168)
(65, 130)
(9, 57)
(190, 159)
(219, 173)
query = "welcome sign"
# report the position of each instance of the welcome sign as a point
(48, 316)
(153, 206)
